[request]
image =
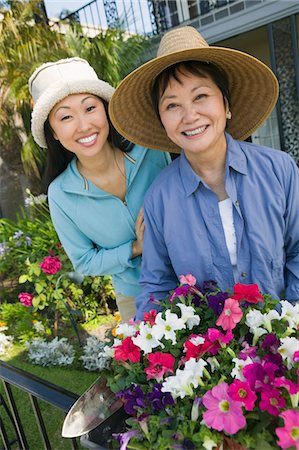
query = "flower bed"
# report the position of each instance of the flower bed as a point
(210, 369)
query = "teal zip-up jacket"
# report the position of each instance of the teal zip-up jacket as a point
(96, 228)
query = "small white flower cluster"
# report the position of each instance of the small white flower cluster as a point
(58, 352)
(5, 341)
(95, 355)
(31, 201)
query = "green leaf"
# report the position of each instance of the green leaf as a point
(35, 301)
(23, 278)
(39, 287)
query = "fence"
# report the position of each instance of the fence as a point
(146, 17)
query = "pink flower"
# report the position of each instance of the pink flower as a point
(289, 434)
(25, 298)
(50, 265)
(248, 292)
(181, 290)
(127, 350)
(150, 317)
(296, 357)
(290, 386)
(160, 364)
(241, 392)
(231, 315)
(272, 402)
(223, 413)
(188, 279)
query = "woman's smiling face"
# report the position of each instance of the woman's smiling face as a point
(193, 112)
(80, 123)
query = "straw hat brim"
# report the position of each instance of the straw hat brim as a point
(253, 94)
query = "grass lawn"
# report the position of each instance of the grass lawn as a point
(72, 378)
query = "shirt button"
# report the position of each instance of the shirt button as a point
(125, 203)
(237, 203)
(244, 274)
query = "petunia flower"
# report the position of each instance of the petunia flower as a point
(188, 315)
(260, 376)
(289, 434)
(125, 329)
(290, 312)
(230, 316)
(188, 279)
(160, 365)
(127, 350)
(145, 340)
(181, 291)
(241, 392)
(124, 438)
(216, 302)
(237, 371)
(247, 292)
(167, 327)
(289, 346)
(158, 399)
(272, 401)
(150, 317)
(223, 413)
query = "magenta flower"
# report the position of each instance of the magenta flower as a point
(248, 351)
(181, 290)
(260, 376)
(188, 279)
(50, 265)
(290, 386)
(159, 365)
(25, 298)
(289, 434)
(231, 315)
(223, 413)
(240, 391)
(272, 402)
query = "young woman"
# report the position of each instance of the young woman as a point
(226, 209)
(97, 179)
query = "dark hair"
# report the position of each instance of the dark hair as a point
(58, 156)
(198, 68)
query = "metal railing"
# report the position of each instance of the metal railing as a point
(145, 17)
(37, 389)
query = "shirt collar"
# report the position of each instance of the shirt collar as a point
(235, 159)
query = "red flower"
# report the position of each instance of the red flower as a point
(248, 292)
(127, 350)
(160, 364)
(50, 265)
(150, 317)
(25, 298)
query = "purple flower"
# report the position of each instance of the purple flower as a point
(181, 290)
(210, 286)
(133, 398)
(159, 399)
(124, 438)
(18, 234)
(271, 343)
(278, 361)
(216, 302)
(28, 241)
(260, 377)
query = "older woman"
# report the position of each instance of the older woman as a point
(226, 209)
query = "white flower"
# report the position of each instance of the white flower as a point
(254, 319)
(197, 340)
(208, 443)
(168, 326)
(196, 370)
(146, 340)
(184, 380)
(271, 315)
(109, 351)
(188, 315)
(126, 330)
(257, 333)
(214, 364)
(239, 364)
(179, 385)
(289, 346)
(290, 313)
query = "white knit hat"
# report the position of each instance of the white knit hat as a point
(52, 82)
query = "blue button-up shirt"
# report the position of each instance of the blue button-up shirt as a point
(184, 232)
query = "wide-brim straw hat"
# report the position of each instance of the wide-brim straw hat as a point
(253, 89)
(52, 82)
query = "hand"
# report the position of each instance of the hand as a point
(139, 229)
